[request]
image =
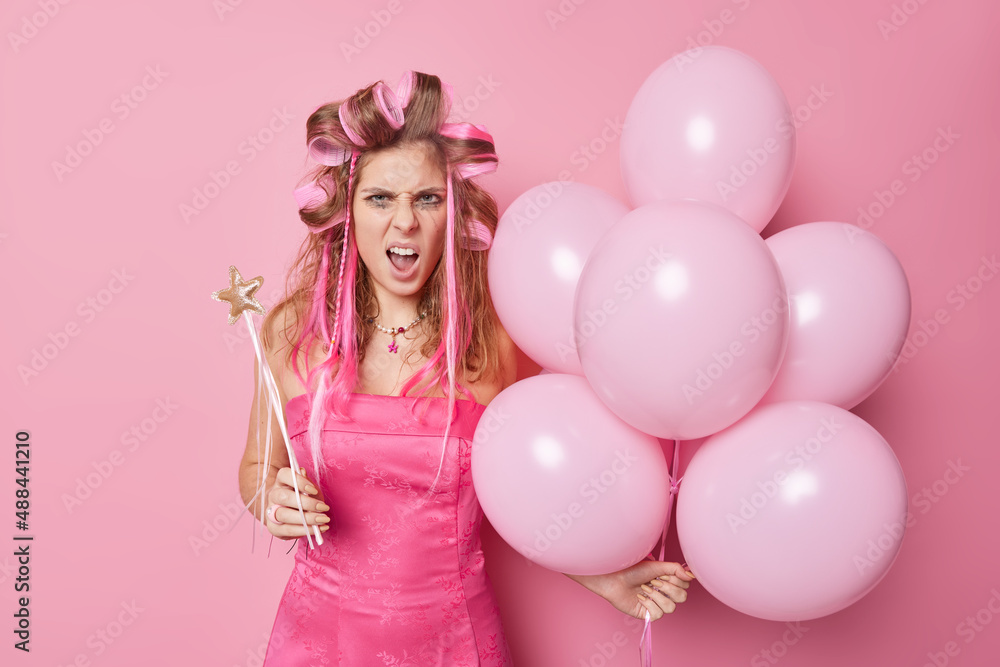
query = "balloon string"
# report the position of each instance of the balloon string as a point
(646, 639)
(675, 484)
(646, 645)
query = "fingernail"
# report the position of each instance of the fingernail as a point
(646, 588)
(324, 527)
(322, 507)
(323, 519)
(310, 489)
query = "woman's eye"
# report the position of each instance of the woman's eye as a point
(427, 201)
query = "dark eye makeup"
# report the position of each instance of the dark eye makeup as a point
(427, 200)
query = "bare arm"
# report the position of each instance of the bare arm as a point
(272, 468)
(252, 467)
(593, 583)
(649, 585)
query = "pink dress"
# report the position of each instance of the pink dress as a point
(395, 583)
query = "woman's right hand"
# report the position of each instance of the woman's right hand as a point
(284, 521)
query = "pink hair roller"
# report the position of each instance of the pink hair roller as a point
(388, 104)
(466, 131)
(311, 195)
(478, 237)
(347, 119)
(324, 151)
(404, 89)
(470, 169)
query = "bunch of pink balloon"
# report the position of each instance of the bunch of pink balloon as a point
(686, 324)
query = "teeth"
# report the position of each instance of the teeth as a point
(402, 251)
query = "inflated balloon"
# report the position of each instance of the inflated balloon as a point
(850, 311)
(565, 482)
(542, 241)
(794, 512)
(681, 319)
(711, 124)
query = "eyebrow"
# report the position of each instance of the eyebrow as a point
(385, 191)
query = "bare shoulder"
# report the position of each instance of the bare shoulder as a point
(486, 391)
(275, 334)
(508, 357)
(282, 328)
(278, 339)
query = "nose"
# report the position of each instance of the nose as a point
(403, 217)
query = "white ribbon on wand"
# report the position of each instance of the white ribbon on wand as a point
(272, 388)
(240, 296)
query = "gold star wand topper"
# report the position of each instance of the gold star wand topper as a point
(240, 295)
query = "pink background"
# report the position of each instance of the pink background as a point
(552, 89)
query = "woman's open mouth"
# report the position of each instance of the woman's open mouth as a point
(403, 261)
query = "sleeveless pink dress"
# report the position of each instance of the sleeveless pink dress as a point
(395, 583)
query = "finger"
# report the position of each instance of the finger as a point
(291, 515)
(286, 496)
(285, 478)
(279, 527)
(675, 593)
(675, 581)
(305, 486)
(292, 530)
(677, 570)
(654, 610)
(282, 495)
(661, 600)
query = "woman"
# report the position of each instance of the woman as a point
(389, 314)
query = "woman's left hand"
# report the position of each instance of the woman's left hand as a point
(656, 586)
